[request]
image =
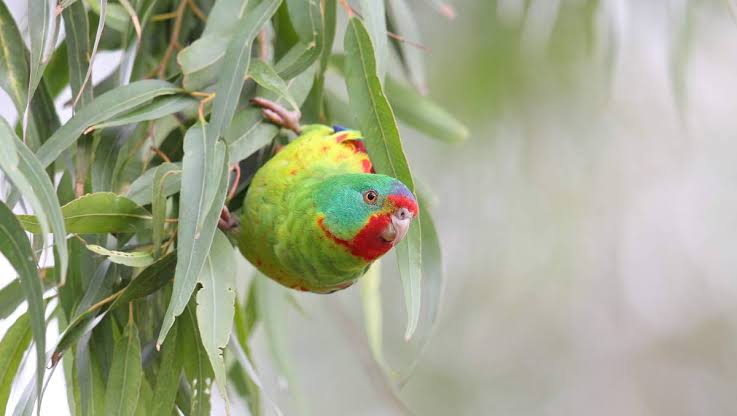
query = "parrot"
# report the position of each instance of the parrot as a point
(316, 215)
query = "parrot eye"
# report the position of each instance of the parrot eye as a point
(370, 196)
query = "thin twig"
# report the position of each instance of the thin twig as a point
(161, 154)
(263, 51)
(348, 9)
(197, 11)
(174, 38)
(402, 39)
(163, 16)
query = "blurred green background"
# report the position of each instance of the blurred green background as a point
(587, 224)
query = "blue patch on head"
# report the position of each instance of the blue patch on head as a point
(338, 128)
(398, 188)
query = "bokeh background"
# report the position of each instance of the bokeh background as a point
(588, 223)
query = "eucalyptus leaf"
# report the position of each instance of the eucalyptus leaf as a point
(105, 107)
(413, 58)
(167, 378)
(98, 213)
(266, 76)
(141, 190)
(377, 123)
(158, 108)
(28, 176)
(158, 204)
(204, 170)
(14, 343)
(76, 27)
(374, 17)
(124, 380)
(16, 248)
(132, 259)
(215, 303)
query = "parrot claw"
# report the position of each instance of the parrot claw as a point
(227, 222)
(278, 114)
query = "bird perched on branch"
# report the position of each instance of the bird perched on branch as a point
(316, 215)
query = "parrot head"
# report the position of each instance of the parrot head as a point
(366, 213)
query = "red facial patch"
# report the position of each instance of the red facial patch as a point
(368, 243)
(339, 138)
(401, 201)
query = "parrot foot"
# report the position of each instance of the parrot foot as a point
(227, 222)
(278, 114)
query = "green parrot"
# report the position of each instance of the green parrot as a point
(316, 215)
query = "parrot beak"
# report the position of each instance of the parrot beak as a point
(397, 229)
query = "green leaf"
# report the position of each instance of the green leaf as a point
(13, 63)
(76, 27)
(413, 58)
(14, 344)
(423, 114)
(158, 205)
(307, 20)
(89, 379)
(98, 213)
(266, 76)
(272, 307)
(24, 170)
(196, 364)
(201, 60)
(167, 378)
(151, 279)
(132, 259)
(40, 26)
(215, 305)
(249, 131)
(124, 381)
(102, 12)
(145, 397)
(158, 108)
(17, 250)
(371, 297)
(432, 264)
(245, 362)
(11, 296)
(105, 107)
(141, 190)
(204, 170)
(234, 67)
(115, 17)
(375, 18)
(376, 122)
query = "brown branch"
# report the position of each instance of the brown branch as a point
(197, 11)
(173, 40)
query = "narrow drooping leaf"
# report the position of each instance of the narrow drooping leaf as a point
(249, 131)
(151, 279)
(102, 12)
(272, 308)
(423, 114)
(13, 64)
(89, 379)
(374, 17)
(266, 77)
(376, 121)
(413, 58)
(40, 27)
(98, 213)
(197, 367)
(307, 19)
(204, 170)
(28, 176)
(158, 204)
(371, 297)
(215, 301)
(124, 380)
(432, 264)
(145, 397)
(167, 378)
(141, 190)
(98, 286)
(14, 343)
(245, 362)
(200, 61)
(234, 67)
(76, 27)
(158, 108)
(11, 296)
(16, 248)
(105, 107)
(132, 259)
